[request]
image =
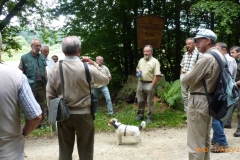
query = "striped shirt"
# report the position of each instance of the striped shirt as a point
(189, 60)
(27, 100)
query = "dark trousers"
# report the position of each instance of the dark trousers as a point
(229, 120)
(83, 126)
(39, 93)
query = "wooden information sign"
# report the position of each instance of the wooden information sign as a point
(149, 30)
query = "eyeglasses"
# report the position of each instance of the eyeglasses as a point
(199, 39)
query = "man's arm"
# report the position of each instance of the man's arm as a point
(31, 109)
(181, 72)
(155, 79)
(20, 66)
(30, 125)
(45, 74)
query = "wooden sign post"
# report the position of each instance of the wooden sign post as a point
(149, 31)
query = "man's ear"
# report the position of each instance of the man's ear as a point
(79, 52)
(208, 40)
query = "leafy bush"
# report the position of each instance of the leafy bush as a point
(172, 95)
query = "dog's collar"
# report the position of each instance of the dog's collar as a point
(116, 126)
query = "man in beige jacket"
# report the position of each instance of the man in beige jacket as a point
(78, 99)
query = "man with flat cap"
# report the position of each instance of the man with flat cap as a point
(199, 121)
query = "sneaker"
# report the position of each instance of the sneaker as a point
(227, 126)
(139, 118)
(217, 148)
(148, 121)
(237, 133)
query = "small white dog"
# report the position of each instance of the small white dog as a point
(126, 130)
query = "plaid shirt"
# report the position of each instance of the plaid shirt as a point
(189, 60)
(27, 100)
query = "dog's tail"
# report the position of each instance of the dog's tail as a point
(142, 125)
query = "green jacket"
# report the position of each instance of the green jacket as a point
(30, 65)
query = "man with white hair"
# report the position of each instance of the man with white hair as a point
(33, 66)
(78, 99)
(49, 60)
(15, 91)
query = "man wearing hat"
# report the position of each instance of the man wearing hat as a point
(199, 121)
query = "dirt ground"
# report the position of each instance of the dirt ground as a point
(159, 144)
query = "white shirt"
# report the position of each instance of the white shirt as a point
(232, 65)
(50, 63)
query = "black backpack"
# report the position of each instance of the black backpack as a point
(222, 101)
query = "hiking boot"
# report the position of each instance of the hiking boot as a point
(139, 118)
(149, 121)
(237, 133)
(212, 142)
(227, 126)
(217, 148)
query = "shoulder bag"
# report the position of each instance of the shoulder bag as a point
(58, 108)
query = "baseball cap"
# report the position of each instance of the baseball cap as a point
(206, 33)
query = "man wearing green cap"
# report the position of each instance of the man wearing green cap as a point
(199, 121)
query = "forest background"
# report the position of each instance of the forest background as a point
(108, 28)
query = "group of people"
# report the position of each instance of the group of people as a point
(196, 65)
(39, 81)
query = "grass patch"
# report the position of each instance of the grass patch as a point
(127, 114)
(164, 117)
(40, 132)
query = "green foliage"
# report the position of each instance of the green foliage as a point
(172, 95)
(226, 16)
(21, 40)
(32, 13)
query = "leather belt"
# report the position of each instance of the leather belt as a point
(146, 81)
(197, 93)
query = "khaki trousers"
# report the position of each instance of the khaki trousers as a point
(145, 92)
(81, 126)
(198, 128)
(185, 94)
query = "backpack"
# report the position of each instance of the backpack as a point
(223, 100)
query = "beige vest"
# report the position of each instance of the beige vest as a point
(11, 138)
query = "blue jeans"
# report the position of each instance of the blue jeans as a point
(105, 91)
(218, 132)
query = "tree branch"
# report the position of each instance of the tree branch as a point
(12, 13)
(1, 6)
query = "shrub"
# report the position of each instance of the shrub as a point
(172, 95)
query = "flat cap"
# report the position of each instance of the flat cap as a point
(206, 33)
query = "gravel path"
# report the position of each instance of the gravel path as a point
(159, 144)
